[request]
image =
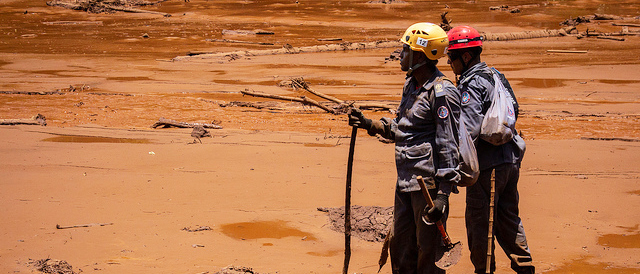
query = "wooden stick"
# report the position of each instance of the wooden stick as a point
(490, 234)
(300, 83)
(566, 51)
(85, 225)
(347, 203)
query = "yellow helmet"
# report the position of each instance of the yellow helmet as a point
(428, 38)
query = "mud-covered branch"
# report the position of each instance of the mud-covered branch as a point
(165, 123)
(303, 99)
(39, 119)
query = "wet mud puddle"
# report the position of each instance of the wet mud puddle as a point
(94, 139)
(264, 230)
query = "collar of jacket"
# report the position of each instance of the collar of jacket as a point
(429, 83)
(468, 75)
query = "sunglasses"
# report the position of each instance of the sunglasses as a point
(453, 55)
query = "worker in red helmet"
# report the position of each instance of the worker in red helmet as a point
(476, 84)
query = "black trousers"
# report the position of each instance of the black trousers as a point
(415, 244)
(508, 229)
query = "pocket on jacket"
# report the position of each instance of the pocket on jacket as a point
(418, 151)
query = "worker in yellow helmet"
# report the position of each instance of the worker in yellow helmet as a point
(425, 132)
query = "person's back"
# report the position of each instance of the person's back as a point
(476, 87)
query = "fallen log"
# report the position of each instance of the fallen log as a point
(39, 119)
(165, 123)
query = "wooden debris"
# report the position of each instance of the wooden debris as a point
(85, 225)
(39, 119)
(505, 8)
(199, 132)
(247, 32)
(73, 23)
(446, 23)
(100, 6)
(610, 139)
(340, 106)
(527, 34)
(303, 99)
(238, 41)
(299, 83)
(166, 123)
(566, 51)
(200, 228)
(588, 18)
(626, 25)
(288, 49)
(609, 37)
(33, 92)
(329, 39)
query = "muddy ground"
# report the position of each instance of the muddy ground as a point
(101, 80)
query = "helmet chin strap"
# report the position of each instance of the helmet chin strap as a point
(414, 67)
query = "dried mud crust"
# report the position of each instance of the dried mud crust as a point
(51, 266)
(370, 223)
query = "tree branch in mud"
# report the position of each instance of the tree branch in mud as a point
(303, 99)
(39, 119)
(165, 123)
(340, 107)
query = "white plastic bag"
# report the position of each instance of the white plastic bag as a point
(499, 123)
(468, 167)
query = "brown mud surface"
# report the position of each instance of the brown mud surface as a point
(102, 79)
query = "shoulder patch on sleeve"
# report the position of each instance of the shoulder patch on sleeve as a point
(443, 112)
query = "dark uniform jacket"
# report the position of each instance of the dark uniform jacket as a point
(425, 132)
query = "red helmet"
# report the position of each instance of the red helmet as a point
(462, 37)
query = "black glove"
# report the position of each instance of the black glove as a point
(435, 213)
(357, 119)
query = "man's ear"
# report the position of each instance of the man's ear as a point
(466, 57)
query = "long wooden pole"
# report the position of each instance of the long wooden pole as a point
(490, 234)
(347, 203)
